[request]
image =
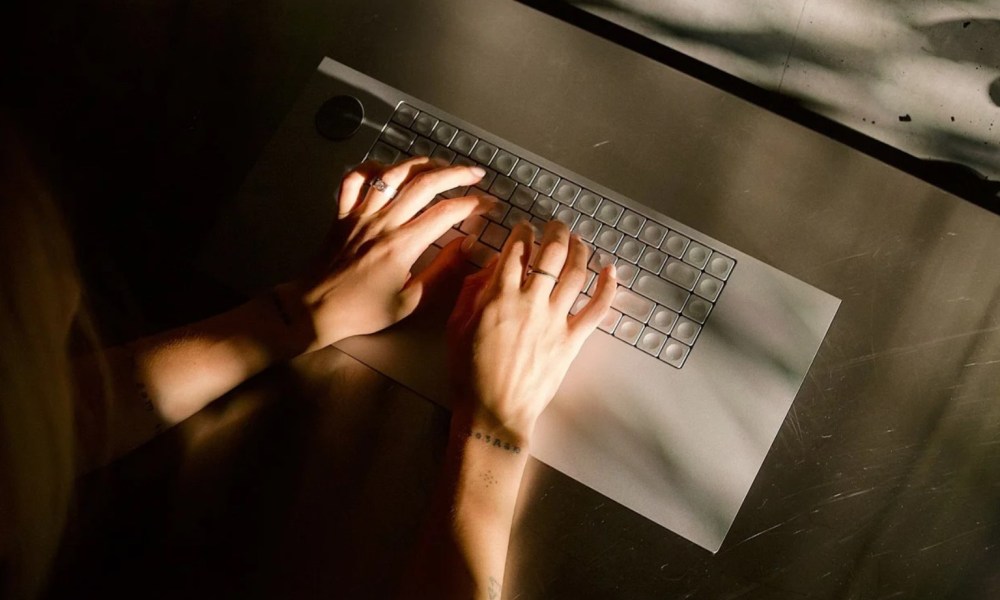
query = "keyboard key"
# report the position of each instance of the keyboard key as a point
(567, 215)
(484, 152)
(660, 291)
(494, 236)
(578, 305)
(587, 229)
(674, 353)
(463, 143)
(632, 304)
(566, 192)
(545, 182)
(680, 273)
(697, 309)
(515, 216)
(447, 238)
(686, 331)
(487, 180)
(720, 265)
(444, 133)
(631, 223)
(473, 225)
(591, 277)
(653, 233)
(628, 330)
(398, 137)
(523, 197)
(708, 287)
(422, 146)
(404, 115)
(697, 255)
(383, 153)
(424, 124)
(443, 154)
(609, 212)
(652, 259)
(651, 341)
(663, 319)
(480, 254)
(608, 239)
(499, 212)
(626, 273)
(587, 202)
(630, 250)
(675, 244)
(455, 192)
(463, 161)
(502, 187)
(503, 162)
(599, 260)
(544, 207)
(525, 172)
(610, 321)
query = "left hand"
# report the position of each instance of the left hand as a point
(362, 283)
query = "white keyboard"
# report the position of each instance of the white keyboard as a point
(669, 282)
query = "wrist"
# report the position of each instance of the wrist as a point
(480, 427)
(293, 317)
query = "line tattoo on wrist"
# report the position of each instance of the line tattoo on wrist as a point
(280, 307)
(140, 387)
(494, 589)
(494, 441)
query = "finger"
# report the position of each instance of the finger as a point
(573, 276)
(514, 258)
(419, 287)
(424, 186)
(583, 323)
(353, 186)
(395, 176)
(551, 258)
(468, 298)
(436, 220)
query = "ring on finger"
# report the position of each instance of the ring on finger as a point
(534, 271)
(383, 187)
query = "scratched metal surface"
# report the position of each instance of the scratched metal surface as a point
(884, 480)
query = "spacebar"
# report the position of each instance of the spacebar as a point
(660, 291)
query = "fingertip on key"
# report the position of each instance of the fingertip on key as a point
(478, 171)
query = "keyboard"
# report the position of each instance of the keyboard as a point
(699, 362)
(669, 282)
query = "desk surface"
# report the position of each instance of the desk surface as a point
(884, 480)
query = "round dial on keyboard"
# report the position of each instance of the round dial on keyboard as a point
(340, 117)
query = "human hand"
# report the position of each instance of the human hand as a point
(362, 282)
(511, 336)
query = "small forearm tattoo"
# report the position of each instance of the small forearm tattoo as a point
(278, 306)
(494, 589)
(140, 387)
(494, 441)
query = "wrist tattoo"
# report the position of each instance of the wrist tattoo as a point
(494, 441)
(278, 306)
(140, 386)
(494, 589)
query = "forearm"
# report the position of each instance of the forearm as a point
(161, 380)
(465, 550)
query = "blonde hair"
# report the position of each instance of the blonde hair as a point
(39, 293)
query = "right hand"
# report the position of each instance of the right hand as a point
(511, 336)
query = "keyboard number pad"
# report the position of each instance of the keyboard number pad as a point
(668, 282)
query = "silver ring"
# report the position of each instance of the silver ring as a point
(384, 187)
(534, 271)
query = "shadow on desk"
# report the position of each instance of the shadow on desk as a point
(308, 481)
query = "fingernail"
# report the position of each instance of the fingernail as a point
(613, 271)
(467, 243)
(478, 171)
